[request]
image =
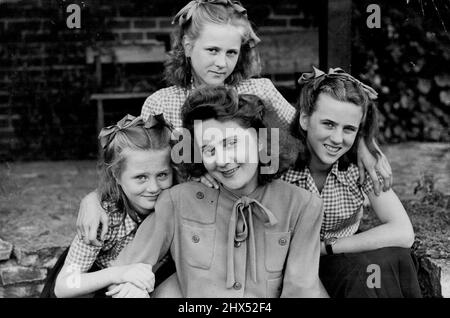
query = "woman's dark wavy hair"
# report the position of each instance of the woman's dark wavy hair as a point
(249, 111)
(178, 68)
(113, 161)
(343, 90)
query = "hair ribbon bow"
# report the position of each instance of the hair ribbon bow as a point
(185, 14)
(336, 73)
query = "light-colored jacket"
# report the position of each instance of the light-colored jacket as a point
(263, 245)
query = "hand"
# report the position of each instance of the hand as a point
(366, 161)
(141, 275)
(90, 215)
(127, 290)
(323, 250)
(207, 180)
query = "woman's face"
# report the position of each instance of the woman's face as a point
(214, 53)
(145, 174)
(331, 129)
(229, 154)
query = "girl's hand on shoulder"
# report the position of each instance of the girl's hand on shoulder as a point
(127, 290)
(90, 216)
(367, 162)
(139, 274)
(207, 180)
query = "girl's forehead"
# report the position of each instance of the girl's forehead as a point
(213, 130)
(138, 158)
(327, 106)
(219, 33)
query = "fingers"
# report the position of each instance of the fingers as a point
(362, 171)
(385, 171)
(147, 278)
(104, 222)
(123, 292)
(206, 182)
(92, 235)
(85, 234)
(376, 183)
(115, 290)
(212, 181)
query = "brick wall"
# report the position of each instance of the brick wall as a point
(45, 82)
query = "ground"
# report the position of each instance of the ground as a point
(39, 200)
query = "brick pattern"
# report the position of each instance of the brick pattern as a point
(36, 44)
(23, 273)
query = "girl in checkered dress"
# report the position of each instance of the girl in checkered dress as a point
(335, 111)
(214, 44)
(135, 167)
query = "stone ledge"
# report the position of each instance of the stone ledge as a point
(44, 257)
(23, 291)
(5, 250)
(20, 274)
(434, 277)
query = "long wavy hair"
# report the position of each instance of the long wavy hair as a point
(178, 70)
(110, 167)
(249, 111)
(342, 90)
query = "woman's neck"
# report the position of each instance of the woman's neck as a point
(319, 173)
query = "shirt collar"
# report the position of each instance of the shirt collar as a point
(298, 175)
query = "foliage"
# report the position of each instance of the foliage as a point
(407, 61)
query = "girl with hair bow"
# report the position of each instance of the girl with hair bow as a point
(335, 111)
(135, 168)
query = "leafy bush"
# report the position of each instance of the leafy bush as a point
(407, 61)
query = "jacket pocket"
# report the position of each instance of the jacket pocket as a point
(277, 247)
(274, 287)
(197, 245)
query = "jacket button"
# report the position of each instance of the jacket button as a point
(199, 195)
(237, 244)
(282, 241)
(237, 286)
(195, 238)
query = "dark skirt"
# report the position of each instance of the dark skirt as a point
(389, 272)
(163, 272)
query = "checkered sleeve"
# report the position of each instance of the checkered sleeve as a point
(283, 108)
(367, 185)
(81, 255)
(152, 105)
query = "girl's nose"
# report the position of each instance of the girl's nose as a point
(220, 60)
(337, 136)
(152, 185)
(223, 157)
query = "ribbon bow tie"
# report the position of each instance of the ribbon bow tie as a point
(107, 134)
(185, 14)
(240, 228)
(336, 73)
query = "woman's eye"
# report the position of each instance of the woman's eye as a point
(329, 125)
(208, 152)
(141, 178)
(232, 53)
(212, 50)
(350, 129)
(231, 142)
(162, 175)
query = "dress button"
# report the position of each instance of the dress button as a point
(237, 286)
(282, 241)
(237, 244)
(195, 238)
(199, 195)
